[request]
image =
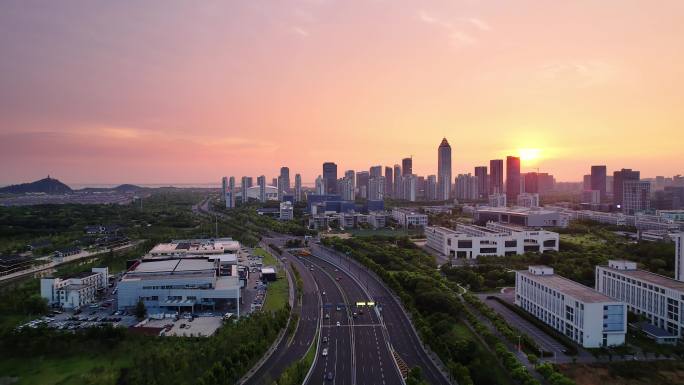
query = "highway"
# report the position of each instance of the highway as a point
(401, 335)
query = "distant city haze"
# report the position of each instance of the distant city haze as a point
(178, 92)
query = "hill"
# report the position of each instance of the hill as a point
(47, 186)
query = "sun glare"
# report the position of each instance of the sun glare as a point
(529, 154)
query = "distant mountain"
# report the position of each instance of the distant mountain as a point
(127, 188)
(47, 186)
(124, 188)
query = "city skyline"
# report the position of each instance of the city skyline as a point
(92, 95)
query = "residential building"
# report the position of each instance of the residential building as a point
(586, 182)
(529, 200)
(375, 171)
(389, 182)
(75, 292)
(409, 218)
(330, 177)
(497, 200)
(466, 187)
(298, 188)
(584, 315)
(659, 299)
(546, 182)
(496, 176)
(345, 186)
(320, 185)
(261, 181)
(431, 188)
(470, 241)
(376, 188)
(444, 170)
(636, 196)
(284, 180)
(351, 175)
(224, 187)
(362, 180)
(482, 182)
(598, 180)
(512, 178)
(398, 183)
(286, 211)
(530, 183)
(243, 187)
(231, 188)
(619, 178)
(409, 187)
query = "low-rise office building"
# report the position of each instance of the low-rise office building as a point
(185, 284)
(75, 292)
(520, 216)
(470, 241)
(408, 217)
(660, 299)
(181, 248)
(586, 316)
(286, 211)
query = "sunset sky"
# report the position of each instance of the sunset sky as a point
(189, 91)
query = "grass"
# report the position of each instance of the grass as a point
(268, 259)
(626, 373)
(384, 232)
(81, 369)
(277, 293)
(309, 356)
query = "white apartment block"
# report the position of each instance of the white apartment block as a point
(74, 292)
(660, 299)
(407, 217)
(584, 315)
(469, 241)
(286, 211)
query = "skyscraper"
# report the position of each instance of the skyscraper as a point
(389, 181)
(375, 171)
(636, 196)
(244, 185)
(444, 170)
(397, 181)
(298, 188)
(284, 179)
(619, 178)
(376, 188)
(531, 182)
(320, 186)
(409, 185)
(224, 187)
(482, 182)
(351, 175)
(345, 187)
(407, 166)
(261, 181)
(496, 176)
(330, 177)
(466, 187)
(362, 183)
(231, 187)
(512, 178)
(431, 188)
(598, 180)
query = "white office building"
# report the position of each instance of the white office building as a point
(497, 200)
(521, 216)
(286, 211)
(528, 200)
(198, 247)
(75, 292)
(377, 219)
(660, 299)
(408, 217)
(584, 315)
(469, 241)
(185, 284)
(679, 255)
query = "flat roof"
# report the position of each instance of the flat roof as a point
(173, 265)
(268, 270)
(569, 287)
(654, 330)
(514, 210)
(652, 278)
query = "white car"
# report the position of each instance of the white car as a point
(325, 352)
(338, 323)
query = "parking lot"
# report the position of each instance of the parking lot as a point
(85, 318)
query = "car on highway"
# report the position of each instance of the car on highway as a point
(338, 323)
(330, 376)
(327, 316)
(325, 340)
(323, 292)
(324, 352)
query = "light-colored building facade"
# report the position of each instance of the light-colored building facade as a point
(529, 200)
(584, 315)
(660, 299)
(520, 216)
(444, 170)
(467, 187)
(409, 218)
(286, 211)
(469, 241)
(497, 200)
(636, 196)
(75, 292)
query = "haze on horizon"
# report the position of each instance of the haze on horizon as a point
(183, 92)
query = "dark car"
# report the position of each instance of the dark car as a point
(330, 376)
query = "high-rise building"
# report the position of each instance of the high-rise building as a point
(261, 181)
(398, 184)
(407, 166)
(351, 175)
(330, 177)
(444, 170)
(224, 187)
(431, 188)
(586, 182)
(376, 188)
(231, 187)
(320, 185)
(375, 171)
(482, 182)
(466, 187)
(362, 183)
(619, 178)
(496, 176)
(679, 256)
(598, 180)
(636, 196)
(274, 182)
(389, 182)
(244, 185)
(546, 182)
(512, 178)
(298, 188)
(409, 187)
(531, 182)
(285, 179)
(345, 186)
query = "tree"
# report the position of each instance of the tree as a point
(140, 310)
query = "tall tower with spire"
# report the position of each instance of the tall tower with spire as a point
(444, 170)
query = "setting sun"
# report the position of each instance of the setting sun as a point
(529, 154)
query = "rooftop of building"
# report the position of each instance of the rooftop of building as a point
(408, 210)
(568, 287)
(173, 266)
(648, 277)
(516, 210)
(196, 246)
